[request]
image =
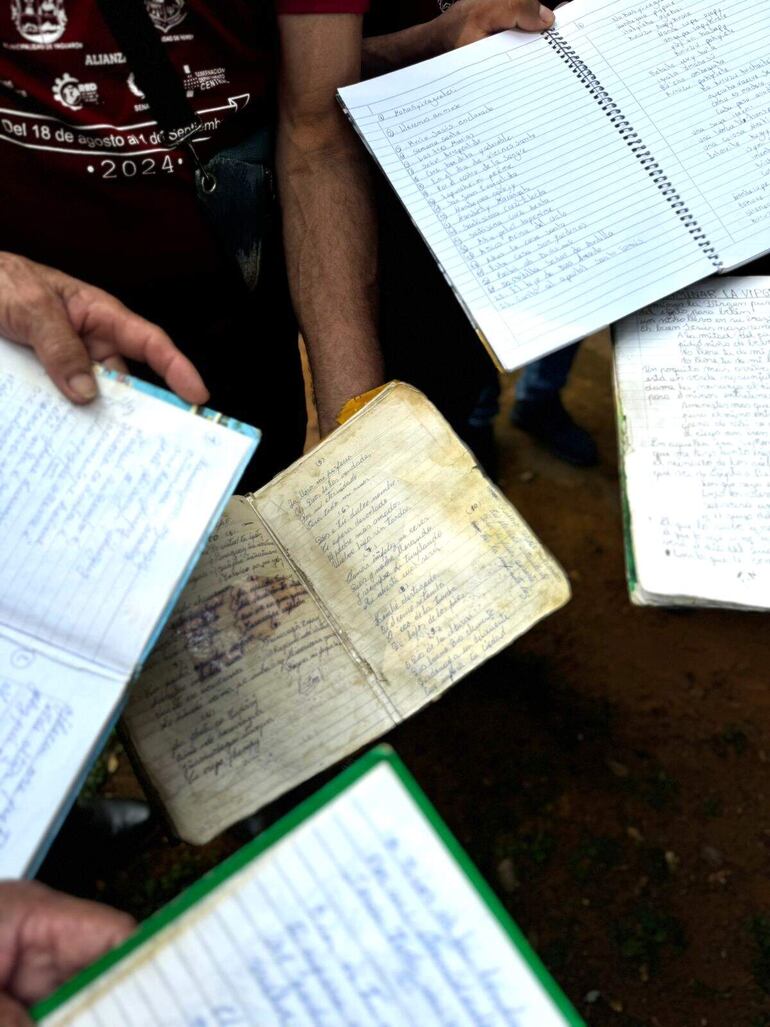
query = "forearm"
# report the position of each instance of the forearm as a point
(399, 49)
(331, 246)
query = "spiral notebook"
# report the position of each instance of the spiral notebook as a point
(566, 179)
(104, 510)
(359, 907)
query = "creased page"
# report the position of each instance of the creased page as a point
(249, 690)
(359, 916)
(535, 205)
(54, 710)
(693, 77)
(101, 508)
(425, 565)
(694, 392)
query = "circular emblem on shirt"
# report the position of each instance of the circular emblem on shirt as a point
(39, 21)
(166, 14)
(72, 93)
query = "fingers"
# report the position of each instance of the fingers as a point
(12, 1014)
(116, 364)
(530, 15)
(58, 936)
(472, 20)
(113, 331)
(32, 313)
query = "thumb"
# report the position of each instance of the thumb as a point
(12, 1014)
(530, 15)
(60, 349)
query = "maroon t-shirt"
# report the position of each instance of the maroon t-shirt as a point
(86, 184)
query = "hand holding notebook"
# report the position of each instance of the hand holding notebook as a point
(103, 510)
(358, 908)
(642, 168)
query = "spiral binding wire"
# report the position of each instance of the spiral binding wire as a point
(634, 141)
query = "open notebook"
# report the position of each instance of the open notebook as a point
(103, 511)
(335, 602)
(358, 908)
(693, 389)
(565, 179)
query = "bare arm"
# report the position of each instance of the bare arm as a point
(465, 22)
(329, 224)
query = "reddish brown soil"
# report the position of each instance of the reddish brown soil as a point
(608, 774)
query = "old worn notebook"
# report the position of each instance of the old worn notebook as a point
(103, 512)
(358, 908)
(349, 592)
(565, 179)
(693, 393)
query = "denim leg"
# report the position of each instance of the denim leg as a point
(547, 375)
(487, 406)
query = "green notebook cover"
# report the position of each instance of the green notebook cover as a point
(285, 826)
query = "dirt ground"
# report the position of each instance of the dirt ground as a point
(608, 773)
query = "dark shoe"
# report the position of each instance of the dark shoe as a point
(97, 838)
(548, 421)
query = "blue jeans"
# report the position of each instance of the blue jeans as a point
(539, 380)
(547, 375)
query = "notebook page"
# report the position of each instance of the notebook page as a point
(695, 394)
(542, 218)
(423, 563)
(693, 76)
(53, 712)
(359, 916)
(249, 691)
(101, 508)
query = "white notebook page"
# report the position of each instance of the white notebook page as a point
(539, 213)
(693, 77)
(101, 509)
(53, 711)
(359, 916)
(694, 389)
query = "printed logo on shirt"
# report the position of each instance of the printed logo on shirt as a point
(74, 94)
(166, 14)
(202, 81)
(131, 80)
(39, 21)
(132, 85)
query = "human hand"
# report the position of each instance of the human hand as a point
(45, 938)
(70, 324)
(467, 21)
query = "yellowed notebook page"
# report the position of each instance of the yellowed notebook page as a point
(424, 563)
(249, 690)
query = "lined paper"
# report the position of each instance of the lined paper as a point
(359, 917)
(53, 711)
(695, 397)
(538, 211)
(424, 564)
(693, 76)
(344, 596)
(101, 508)
(249, 691)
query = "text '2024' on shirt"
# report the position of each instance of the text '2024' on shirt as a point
(87, 184)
